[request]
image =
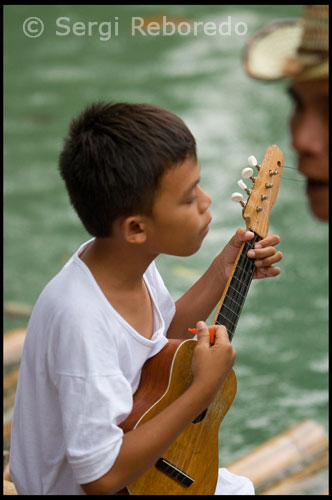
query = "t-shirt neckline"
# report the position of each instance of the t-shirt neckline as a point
(158, 322)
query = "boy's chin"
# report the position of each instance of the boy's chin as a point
(188, 252)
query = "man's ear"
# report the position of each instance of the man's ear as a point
(134, 229)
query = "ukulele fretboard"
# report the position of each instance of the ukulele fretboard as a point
(237, 290)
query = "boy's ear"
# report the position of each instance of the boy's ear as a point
(134, 229)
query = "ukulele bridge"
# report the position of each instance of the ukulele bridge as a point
(173, 472)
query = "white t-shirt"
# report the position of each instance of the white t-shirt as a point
(81, 364)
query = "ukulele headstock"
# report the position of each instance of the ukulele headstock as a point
(263, 194)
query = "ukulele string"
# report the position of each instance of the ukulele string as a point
(246, 270)
(294, 180)
(242, 276)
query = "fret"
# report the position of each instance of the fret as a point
(245, 271)
(240, 285)
(229, 308)
(228, 324)
(228, 297)
(241, 280)
(225, 319)
(237, 290)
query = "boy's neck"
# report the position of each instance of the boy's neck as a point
(118, 265)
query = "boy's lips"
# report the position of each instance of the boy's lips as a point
(206, 227)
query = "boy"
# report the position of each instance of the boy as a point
(132, 176)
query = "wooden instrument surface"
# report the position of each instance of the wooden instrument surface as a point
(173, 365)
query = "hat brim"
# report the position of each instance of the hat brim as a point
(267, 52)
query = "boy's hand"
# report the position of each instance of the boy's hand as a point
(211, 363)
(264, 253)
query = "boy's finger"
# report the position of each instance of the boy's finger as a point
(221, 334)
(203, 336)
(243, 234)
(269, 240)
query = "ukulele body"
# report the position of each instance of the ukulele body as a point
(195, 453)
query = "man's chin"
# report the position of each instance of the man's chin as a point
(320, 207)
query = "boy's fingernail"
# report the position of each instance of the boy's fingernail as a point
(249, 233)
(201, 325)
(251, 253)
(258, 245)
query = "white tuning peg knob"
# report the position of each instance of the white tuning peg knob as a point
(238, 198)
(252, 161)
(247, 173)
(243, 186)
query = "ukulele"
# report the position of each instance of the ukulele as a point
(190, 465)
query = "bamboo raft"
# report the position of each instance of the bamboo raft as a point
(295, 462)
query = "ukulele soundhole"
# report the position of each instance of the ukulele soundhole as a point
(200, 417)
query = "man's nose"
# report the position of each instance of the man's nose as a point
(308, 134)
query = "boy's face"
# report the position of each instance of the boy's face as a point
(180, 215)
(310, 138)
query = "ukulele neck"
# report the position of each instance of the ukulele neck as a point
(236, 289)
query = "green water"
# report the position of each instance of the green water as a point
(282, 335)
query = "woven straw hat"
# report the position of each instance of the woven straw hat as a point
(291, 48)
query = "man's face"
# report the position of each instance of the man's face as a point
(309, 128)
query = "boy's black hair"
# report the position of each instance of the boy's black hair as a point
(114, 157)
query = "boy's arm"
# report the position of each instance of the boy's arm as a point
(204, 295)
(142, 446)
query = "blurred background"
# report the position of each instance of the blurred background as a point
(282, 335)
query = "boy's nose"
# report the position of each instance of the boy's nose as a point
(205, 201)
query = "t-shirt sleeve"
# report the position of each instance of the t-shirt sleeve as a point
(93, 407)
(94, 393)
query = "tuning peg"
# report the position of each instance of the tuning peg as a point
(253, 162)
(238, 198)
(244, 186)
(247, 173)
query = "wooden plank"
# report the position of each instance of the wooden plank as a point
(7, 430)
(282, 455)
(12, 345)
(17, 309)
(10, 382)
(9, 488)
(310, 480)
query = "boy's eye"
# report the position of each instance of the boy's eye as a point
(191, 200)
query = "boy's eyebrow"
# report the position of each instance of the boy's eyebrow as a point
(187, 191)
